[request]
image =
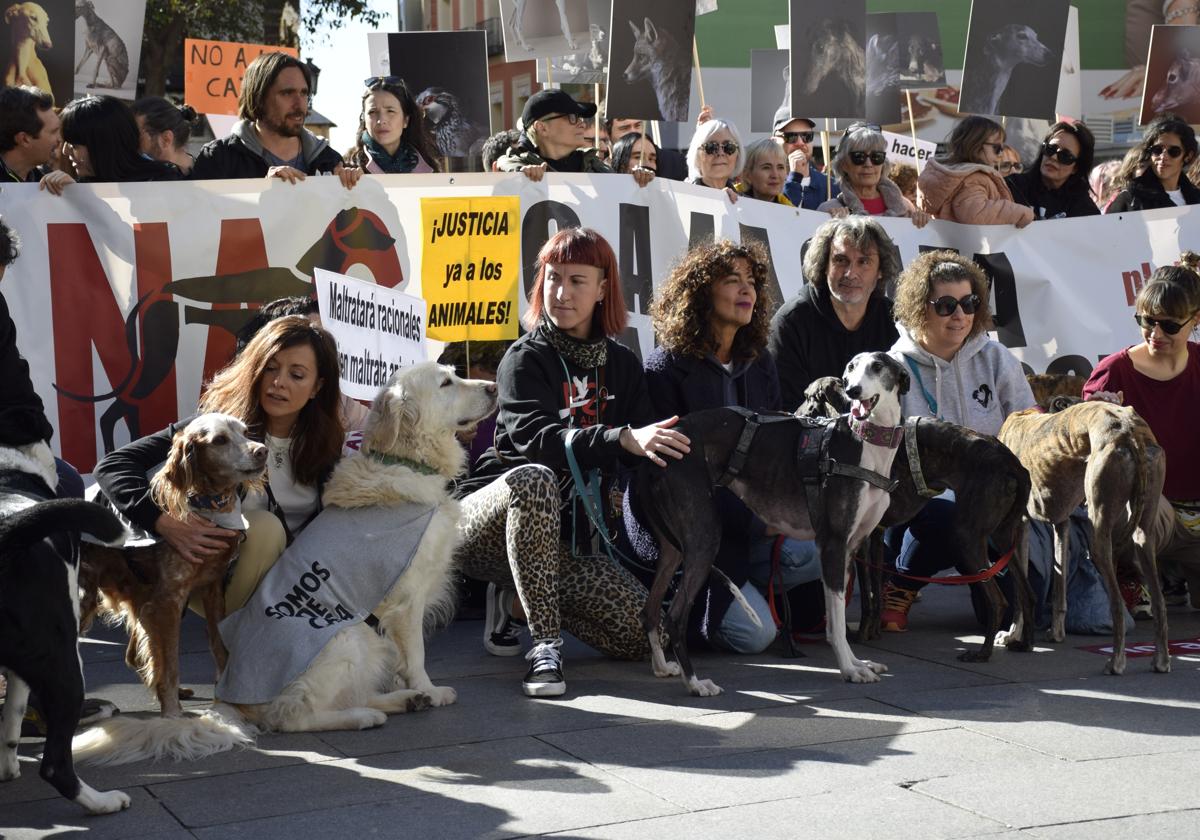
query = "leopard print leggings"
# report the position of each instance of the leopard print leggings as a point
(510, 531)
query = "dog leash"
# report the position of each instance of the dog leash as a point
(952, 580)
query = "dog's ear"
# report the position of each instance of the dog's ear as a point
(11, 12)
(905, 382)
(637, 33)
(395, 414)
(169, 487)
(651, 32)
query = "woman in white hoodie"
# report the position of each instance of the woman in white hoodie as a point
(959, 374)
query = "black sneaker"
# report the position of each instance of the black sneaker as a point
(545, 675)
(1175, 591)
(501, 633)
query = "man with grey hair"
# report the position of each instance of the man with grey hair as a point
(841, 310)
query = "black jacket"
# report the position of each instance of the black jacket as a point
(22, 417)
(1146, 193)
(233, 157)
(1071, 199)
(809, 341)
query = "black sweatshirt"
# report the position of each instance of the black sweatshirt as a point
(22, 416)
(121, 475)
(1068, 201)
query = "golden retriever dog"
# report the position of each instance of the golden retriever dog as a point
(147, 586)
(409, 454)
(29, 31)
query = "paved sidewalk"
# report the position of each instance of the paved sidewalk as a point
(1039, 745)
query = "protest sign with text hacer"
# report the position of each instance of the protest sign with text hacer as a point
(213, 71)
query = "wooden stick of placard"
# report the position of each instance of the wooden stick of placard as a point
(549, 74)
(596, 119)
(828, 163)
(912, 120)
(699, 79)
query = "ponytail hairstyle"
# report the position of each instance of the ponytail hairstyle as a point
(160, 114)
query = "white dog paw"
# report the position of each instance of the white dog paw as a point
(864, 672)
(442, 695)
(108, 802)
(370, 718)
(703, 688)
(10, 767)
(667, 669)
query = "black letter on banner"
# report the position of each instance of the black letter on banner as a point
(629, 337)
(756, 234)
(535, 232)
(702, 228)
(1007, 313)
(1070, 365)
(635, 249)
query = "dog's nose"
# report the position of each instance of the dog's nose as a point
(492, 389)
(854, 392)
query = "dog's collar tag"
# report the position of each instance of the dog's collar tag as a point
(868, 432)
(396, 460)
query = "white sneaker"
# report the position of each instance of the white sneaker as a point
(545, 675)
(501, 634)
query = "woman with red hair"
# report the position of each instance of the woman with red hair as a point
(564, 385)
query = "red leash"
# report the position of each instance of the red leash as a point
(954, 580)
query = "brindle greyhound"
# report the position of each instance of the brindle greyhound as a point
(991, 488)
(1106, 455)
(837, 497)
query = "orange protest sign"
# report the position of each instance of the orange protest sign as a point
(213, 71)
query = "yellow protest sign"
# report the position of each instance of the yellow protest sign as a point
(471, 267)
(213, 71)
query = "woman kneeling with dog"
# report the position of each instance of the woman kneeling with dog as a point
(284, 387)
(571, 400)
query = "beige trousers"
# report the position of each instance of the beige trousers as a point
(265, 541)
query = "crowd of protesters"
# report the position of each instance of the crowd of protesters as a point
(721, 339)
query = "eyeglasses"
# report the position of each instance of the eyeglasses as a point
(573, 119)
(1008, 166)
(1059, 154)
(859, 158)
(1148, 324)
(946, 304)
(712, 147)
(1158, 148)
(795, 136)
(377, 81)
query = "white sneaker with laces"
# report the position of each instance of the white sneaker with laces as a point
(545, 675)
(501, 634)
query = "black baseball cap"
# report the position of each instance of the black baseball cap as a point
(547, 101)
(784, 116)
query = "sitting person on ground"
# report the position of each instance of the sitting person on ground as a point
(963, 185)
(284, 387)
(904, 176)
(714, 156)
(555, 139)
(270, 140)
(1154, 177)
(959, 374)
(841, 310)
(102, 141)
(30, 139)
(764, 173)
(1160, 378)
(567, 390)
(806, 186)
(1056, 185)
(165, 130)
(634, 150)
(862, 165)
(392, 136)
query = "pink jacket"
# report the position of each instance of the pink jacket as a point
(970, 193)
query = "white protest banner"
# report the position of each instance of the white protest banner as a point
(378, 330)
(127, 296)
(903, 149)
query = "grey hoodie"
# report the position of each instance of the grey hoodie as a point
(310, 144)
(981, 386)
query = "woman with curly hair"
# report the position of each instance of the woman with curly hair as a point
(711, 317)
(1156, 176)
(959, 374)
(392, 137)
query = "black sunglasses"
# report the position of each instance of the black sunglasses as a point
(712, 147)
(1059, 154)
(1158, 148)
(946, 304)
(376, 81)
(794, 136)
(573, 119)
(1148, 324)
(859, 158)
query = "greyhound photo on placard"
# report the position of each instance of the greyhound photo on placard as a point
(650, 59)
(1014, 57)
(108, 44)
(884, 58)
(1173, 74)
(38, 46)
(447, 74)
(770, 92)
(543, 28)
(828, 69)
(589, 65)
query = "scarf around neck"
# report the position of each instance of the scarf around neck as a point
(404, 161)
(584, 354)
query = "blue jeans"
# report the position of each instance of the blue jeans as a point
(798, 563)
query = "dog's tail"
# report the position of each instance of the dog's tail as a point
(57, 515)
(738, 596)
(122, 740)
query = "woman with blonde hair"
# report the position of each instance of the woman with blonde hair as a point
(764, 173)
(964, 185)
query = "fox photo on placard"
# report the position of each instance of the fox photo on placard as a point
(108, 45)
(828, 71)
(650, 59)
(38, 46)
(589, 65)
(543, 28)
(769, 91)
(447, 74)
(1173, 74)
(1014, 58)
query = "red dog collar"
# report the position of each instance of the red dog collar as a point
(868, 432)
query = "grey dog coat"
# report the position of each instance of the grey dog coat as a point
(335, 573)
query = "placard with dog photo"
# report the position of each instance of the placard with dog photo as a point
(1173, 74)
(108, 46)
(703, 7)
(38, 46)
(650, 59)
(447, 73)
(768, 88)
(904, 52)
(588, 66)
(1014, 58)
(828, 68)
(543, 28)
